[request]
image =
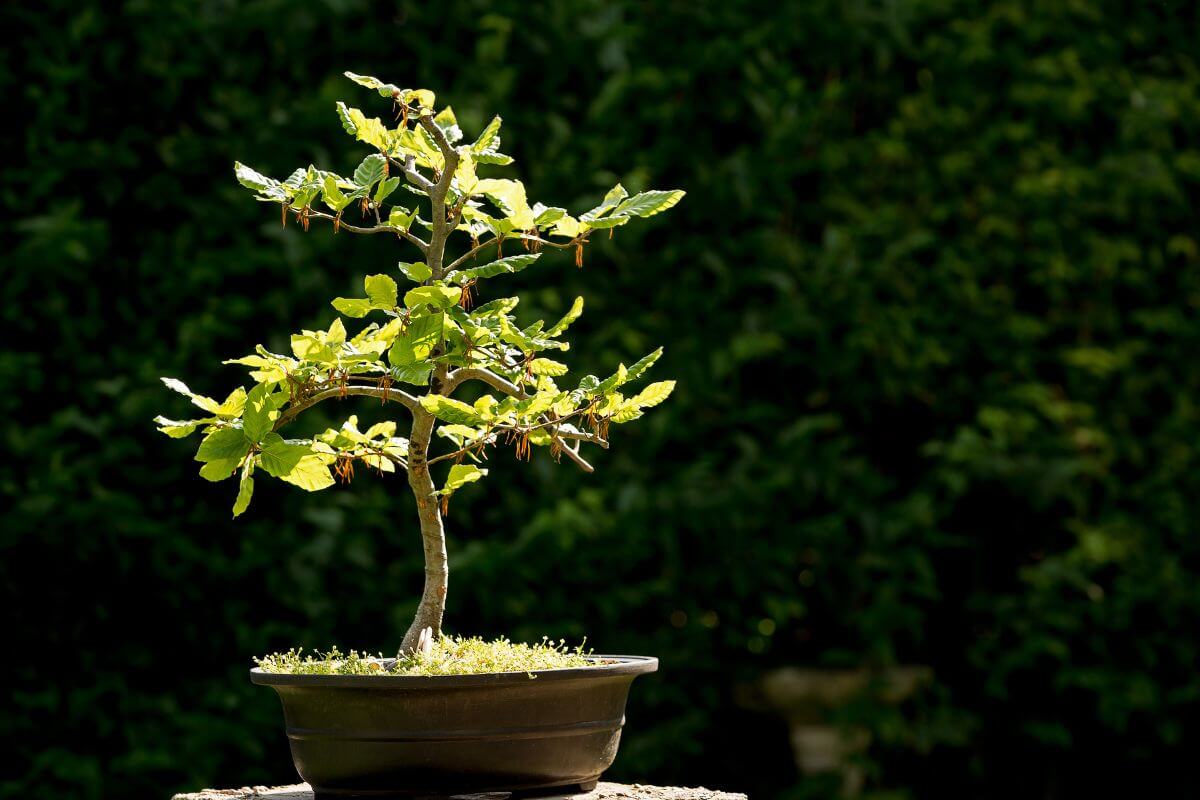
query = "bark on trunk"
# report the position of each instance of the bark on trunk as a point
(433, 536)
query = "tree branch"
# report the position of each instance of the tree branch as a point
(497, 382)
(439, 137)
(415, 178)
(395, 395)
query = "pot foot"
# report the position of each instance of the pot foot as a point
(587, 786)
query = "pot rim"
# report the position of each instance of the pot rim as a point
(625, 665)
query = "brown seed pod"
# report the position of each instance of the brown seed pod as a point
(467, 298)
(344, 468)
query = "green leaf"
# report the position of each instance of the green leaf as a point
(381, 296)
(385, 189)
(546, 366)
(465, 179)
(450, 410)
(333, 195)
(653, 394)
(280, 457)
(460, 475)
(647, 204)
(177, 429)
(608, 222)
(618, 378)
(422, 97)
(371, 131)
(219, 469)
(436, 296)
(509, 264)
(356, 307)
(371, 83)
(310, 474)
(489, 140)
(401, 218)
(337, 332)
(643, 364)
(260, 413)
(446, 120)
(416, 374)
(206, 403)
(245, 491)
(509, 196)
(417, 341)
(381, 291)
(416, 271)
(501, 305)
(370, 171)
(348, 120)
(226, 443)
(545, 216)
(615, 195)
(628, 412)
(232, 405)
(295, 463)
(256, 180)
(492, 157)
(561, 326)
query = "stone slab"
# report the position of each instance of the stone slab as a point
(604, 791)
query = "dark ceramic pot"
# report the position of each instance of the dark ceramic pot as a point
(453, 734)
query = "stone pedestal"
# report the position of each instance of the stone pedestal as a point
(810, 698)
(604, 791)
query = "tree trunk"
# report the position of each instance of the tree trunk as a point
(433, 536)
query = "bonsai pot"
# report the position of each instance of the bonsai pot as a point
(402, 734)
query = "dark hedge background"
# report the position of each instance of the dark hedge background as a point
(931, 302)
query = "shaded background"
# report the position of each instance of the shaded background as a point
(931, 302)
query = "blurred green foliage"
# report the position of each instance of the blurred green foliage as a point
(937, 402)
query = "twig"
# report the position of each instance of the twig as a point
(516, 235)
(421, 244)
(395, 395)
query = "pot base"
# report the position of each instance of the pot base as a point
(530, 792)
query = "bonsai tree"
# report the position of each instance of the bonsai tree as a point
(426, 341)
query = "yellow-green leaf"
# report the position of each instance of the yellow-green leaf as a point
(245, 492)
(436, 296)
(226, 443)
(206, 403)
(460, 475)
(449, 410)
(381, 290)
(561, 326)
(546, 366)
(653, 394)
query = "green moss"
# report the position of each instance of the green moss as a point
(449, 655)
